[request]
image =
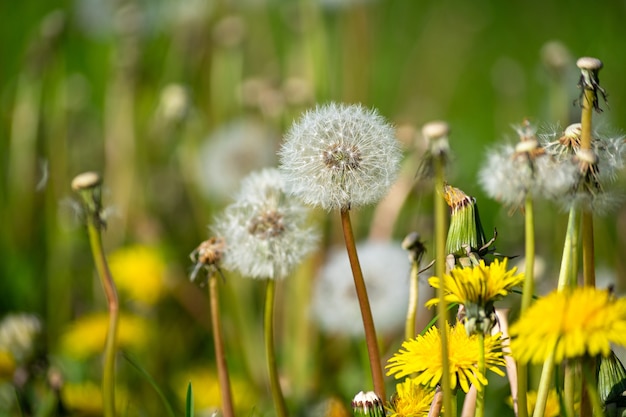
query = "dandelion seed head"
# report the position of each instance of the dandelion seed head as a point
(340, 156)
(266, 231)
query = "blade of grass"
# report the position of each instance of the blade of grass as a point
(189, 402)
(151, 381)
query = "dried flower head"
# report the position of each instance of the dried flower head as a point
(436, 135)
(385, 271)
(265, 230)
(513, 173)
(589, 80)
(339, 156)
(207, 256)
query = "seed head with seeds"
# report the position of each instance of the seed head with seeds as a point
(340, 156)
(266, 231)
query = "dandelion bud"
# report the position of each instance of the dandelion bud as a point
(368, 404)
(465, 232)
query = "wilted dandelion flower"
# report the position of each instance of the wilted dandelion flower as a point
(335, 306)
(422, 356)
(411, 400)
(573, 323)
(512, 173)
(594, 171)
(340, 156)
(266, 231)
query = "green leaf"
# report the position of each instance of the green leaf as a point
(151, 381)
(189, 406)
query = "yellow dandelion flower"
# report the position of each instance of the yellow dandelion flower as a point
(207, 394)
(139, 272)
(411, 399)
(553, 408)
(481, 284)
(422, 356)
(85, 398)
(86, 336)
(7, 365)
(584, 320)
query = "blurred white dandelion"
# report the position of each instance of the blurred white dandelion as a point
(18, 334)
(267, 232)
(386, 270)
(340, 156)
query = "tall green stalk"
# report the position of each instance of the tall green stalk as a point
(480, 400)
(88, 186)
(270, 352)
(527, 296)
(440, 269)
(589, 275)
(366, 312)
(220, 355)
(544, 386)
(409, 327)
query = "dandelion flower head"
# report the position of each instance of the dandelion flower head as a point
(266, 231)
(481, 284)
(553, 408)
(18, 335)
(411, 400)
(572, 323)
(340, 156)
(422, 356)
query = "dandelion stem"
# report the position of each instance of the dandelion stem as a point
(527, 296)
(440, 247)
(366, 312)
(569, 385)
(480, 401)
(270, 353)
(220, 354)
(591, 385)
(544, 386)
(409, 329)
(94, 224)
(589, 277)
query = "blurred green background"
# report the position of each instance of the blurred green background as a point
(157, 95)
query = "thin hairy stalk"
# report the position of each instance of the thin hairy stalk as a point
(437, 404)
(220, 354)
(589, 275)
(270, 353)
(110, 348)
(440, 255)
(409, 328)
(469, 404)
(544, 386)
(364, 304)
(480, 400)
(527, 297)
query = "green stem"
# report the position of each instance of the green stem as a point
(589, 275)
(364, 304)
(440, 268)
(568, 271)
(569, 385)
(220, 354)
(268, 327)
(110, 348)
(591, 385)
(409, 329)
(480, 400)
(527, 297)
(544, 386)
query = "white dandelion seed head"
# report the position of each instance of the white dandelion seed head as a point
(266, 231)
(339, 156)
(232, 151)
(335, 307)
(18, 334)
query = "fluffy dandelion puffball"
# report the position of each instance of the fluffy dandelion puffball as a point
(386, 269)
(481, 284)
(411, 400)
(422, 356)
(340, 156)
(572, 323)
(266, 231)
